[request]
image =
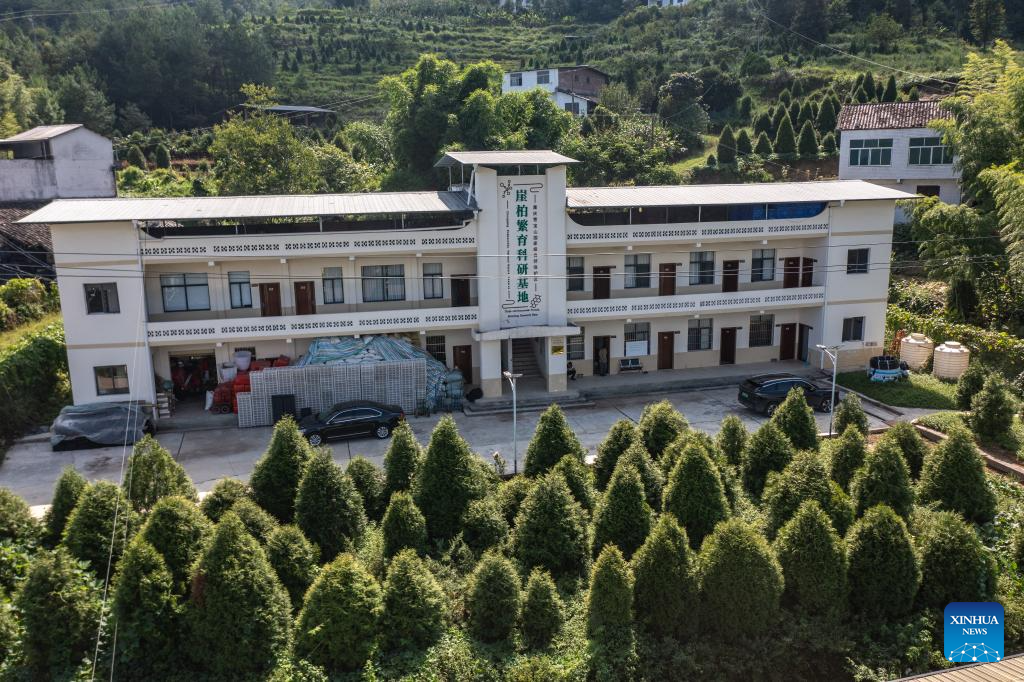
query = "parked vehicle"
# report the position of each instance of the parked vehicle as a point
(887, 368)
(98, 425)
(354, 418)
(765, 392)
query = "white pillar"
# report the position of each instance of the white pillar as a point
(490, 368)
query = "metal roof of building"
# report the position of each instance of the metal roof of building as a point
(525, 157)
(706, 195)
(216, 208)
(891, 115)
(42, 133)
(297, 109)
(1010, 669)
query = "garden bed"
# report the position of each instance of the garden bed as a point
(920, 390)
(1007, 448)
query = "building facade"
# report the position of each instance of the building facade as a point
(513, 264)
(576, 89)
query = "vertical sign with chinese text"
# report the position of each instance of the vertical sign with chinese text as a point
(522, 225)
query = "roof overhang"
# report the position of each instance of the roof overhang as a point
(526, 157)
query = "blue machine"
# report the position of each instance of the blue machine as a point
(887, 368)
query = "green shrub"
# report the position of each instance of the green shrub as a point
(665, 583)
(162, 157)
(807, 143)
(339, 624)
(610, 616)
(727, 145)
(552, 440)
(90, 532)
(403, 526)
(177, 530)
(660, 424)
(785, 138)
(401, 460)
(884, 479)
(622, 434)
(511, 494)
(805, 478)
(447, 481)
(551, 530)
(740, 581)
(850, 413)
(769, 450)
(239, 614)
(813, 560)
(795, 419)
(955, 565)
(328, 507)
(543, 613)
(623, 517)
(66, 492)
(954, 476)
(9, 631)
(846, 455)
(136, 157)
(294, 560)
(884, 575)
(744, 145)
(493, 598)
(483, 525)
(732, 440)
(992, 410)
(16, 521)
(636, 456)
(32, 369)
(414, 604)
(275, 479)
(145, 610)
(225, 493)
(57, 633)
(828, 144)
(763, 146)
(579, 479)
(970, 384)
(153, 474)
(369, 481)
(256, 520)
(694, 494)
(904, 436)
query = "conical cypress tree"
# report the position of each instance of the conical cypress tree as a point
(913, 95)
(785, 138)
(610, 616)
(637, 457)
(162, 157)
(732, 440)
(622, 434)
(275, 479)
(805, 115)
(744, 106)
(769, 450)
(779, 114)
(294, 559)
(825, 121)
(239, 613)
(401, 460)
(91, 526)
(763, 146)
(551, 531)
(805, 478)
(579, 479)
(136, 157)
(623, 517)
(225, 493)
(846, 455)
(403, 526)
(828, 144)
(795, 418)
(448, 480)
(794, 113)
(955, 565)
(483, 525)
(694, 494)
(328, 507)
(65, 496)
(807, 145)
(890, 93)
(861, 96)
(970, 384)
(339, 624)
(836, 104)
(369, 481)
(904, 436)
(992, 410)
(762, 123)
(660, 424)
(744, 146)
(665, 581)
(257, 522)
(786, 97)
(814, 563)
(869, 84)
(954, 476)
(884, 479)
(850, 413)
(542, 610)
(883, 575)
(146, 613)
(552, 440)
(414, 604)
(153, 473)
(493, 598)
(177, 530)
(727, 146)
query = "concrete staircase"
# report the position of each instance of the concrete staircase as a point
(523, 359)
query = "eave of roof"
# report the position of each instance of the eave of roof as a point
(524, 157)
(33, 236)
(40, 133)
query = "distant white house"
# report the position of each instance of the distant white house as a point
(59, 161)
(890, 144)
(574, 88)
(667, 3)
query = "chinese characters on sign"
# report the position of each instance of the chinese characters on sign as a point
(524, 206)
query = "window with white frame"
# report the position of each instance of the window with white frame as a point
(333, 284)
(857, 261)
(433, 282)
(929, 151)
(574, 273)
(875, 152)
(240, 289)
(111, 379)
(543, 77)
(515, 79)
(762, 265)
(702, 267)
(186, 291)
(637, 336)
(576, 345)
(762, 330)
(383, 283)
(638, 270)
(853, 329)
(435, 346)
(699, 334)
(101, 298)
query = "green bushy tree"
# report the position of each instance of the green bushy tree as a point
(483, 525)
(177, 530)
(829, 145)
(904, 436)
(849, 412)
(807, 142)
(761, 124)
(403, 526)
(732, 440)
(992, 410)
(256, 520)
(813, 560)
(447, 481)
(65, 496)
(579, 479)
(136, 157)
(955, 565)
(401, 460)
(884, 479)
(637, 457)
(884, 575)
(225, 493)
(339, 624)
(542, 613)
(660, 424)
(294, 560)
(785, 138)
(552, 440)
(369, 481)
(846, 456)
(768, 450)
(825, 121)
(665, 582)
(744, 145)
(328, 507)
(763, 145)
(610, 616)
(493, 598)
(91, 534)
(16, 521)
(970, 384)
(890, 92)
(694, 494)
(414, 604)
(727, 145)
(805, 478)
(162, 157)
(145, 609)
(551, 530)
(153, 474)
(954, 477)
(275, 479)
(511, 494)
(623, 517)
(622, 434)
(795, 419)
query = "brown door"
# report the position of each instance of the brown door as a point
(666, 350)
(305, 298)
(270, 299)
(727, 347)
(807, 273)
(602, 282)
(460, 292)
(667, 280)
(730, 276)
(787, 343)
(463, 356)
(790, 273)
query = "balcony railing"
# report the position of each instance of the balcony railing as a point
(580, 235)
(649, 306)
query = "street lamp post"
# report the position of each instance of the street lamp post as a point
(515, 436)
(833, 354)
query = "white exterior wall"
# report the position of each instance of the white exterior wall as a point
(530, 82)
(82, 166)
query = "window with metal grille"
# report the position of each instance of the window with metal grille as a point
(699, 335)
(333, 283)
(871, 152)
(111, 379)
(762, 265)
(702, 267)
(638, 270)
(185, 292)
(576, 345)
(928, 190)
(762, 330)
(573, 108)
(515, 79)
(435, 346)
(101, 298)
(240, 289)
(574, 273)
(857, 261)
(543, 77)
(638, 339)
(929, 151)
(433, 282)
(383, 283)
(853, 329)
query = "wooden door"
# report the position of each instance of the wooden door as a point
(730, 275)
(460, 292)
(727, 346)
(667, 279)
(787, 342)
(666, 350)
(602, 282)
(463, 360)
(602, 353)
(270, 299)
(807, 273)
(801, 344)
(791, 273)
(305, 298)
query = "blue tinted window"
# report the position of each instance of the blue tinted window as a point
(747, 212)
(795, 210)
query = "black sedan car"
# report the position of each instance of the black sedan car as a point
(354, 418)
(764, 393)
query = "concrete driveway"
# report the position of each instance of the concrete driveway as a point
(31, 468)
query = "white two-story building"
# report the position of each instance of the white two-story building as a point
(512, 262)
(576, 89)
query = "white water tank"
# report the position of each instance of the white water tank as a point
(916, 349)
(950, 360)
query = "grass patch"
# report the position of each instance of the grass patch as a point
(944, 421)
(920, 390)
(700, 158)
(12, 336)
